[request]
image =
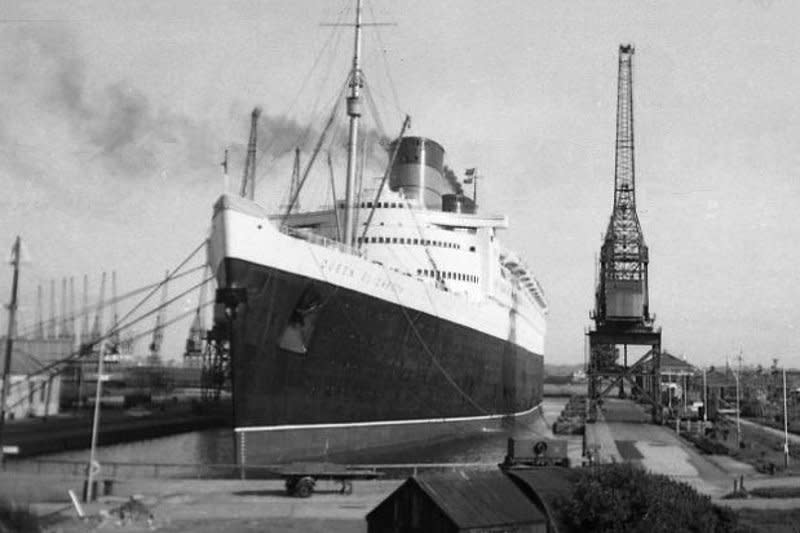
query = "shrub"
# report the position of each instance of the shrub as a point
(624, 497)
(17, 518)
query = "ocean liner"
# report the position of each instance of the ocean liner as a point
(394, 317)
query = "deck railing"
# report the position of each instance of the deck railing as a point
(122, 470)
(317, 239)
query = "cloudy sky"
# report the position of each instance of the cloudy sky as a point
(114, 116)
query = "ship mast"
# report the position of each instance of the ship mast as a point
(354, 112)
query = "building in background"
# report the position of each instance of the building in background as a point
(31, 391)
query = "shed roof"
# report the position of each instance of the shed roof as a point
(671, 364)
(547, 485)
(479, 498)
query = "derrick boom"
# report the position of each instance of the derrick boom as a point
(248, 187)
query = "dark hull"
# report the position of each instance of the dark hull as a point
(366, 361)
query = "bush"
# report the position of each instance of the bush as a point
(17, 518)
(624, 497)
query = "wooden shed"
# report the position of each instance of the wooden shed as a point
(475, 501)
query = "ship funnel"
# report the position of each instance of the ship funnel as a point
(419, 171)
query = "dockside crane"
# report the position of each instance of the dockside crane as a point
(622, 294)
(154, 359)
(193, 356)
(248, 187)
(622, 309)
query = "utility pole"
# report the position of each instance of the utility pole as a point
(94, 466)
(705, 397)
(12, 312)
(785, 424)
(738, 422)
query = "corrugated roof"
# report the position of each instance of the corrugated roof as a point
(479, 498)
(549, 485)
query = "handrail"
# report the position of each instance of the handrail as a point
(111, 469)
(315, 238)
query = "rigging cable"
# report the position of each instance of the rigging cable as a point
(386, 64)
(314, 154)
(406, 124)
(88, 309)
(301, 139)
(114, 329)
(78, 354)
(37, 386)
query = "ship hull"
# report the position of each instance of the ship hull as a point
(332, 352)
(320, 370)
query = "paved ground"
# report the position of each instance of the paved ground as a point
(661, 450)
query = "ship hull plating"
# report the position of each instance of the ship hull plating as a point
(319, 369)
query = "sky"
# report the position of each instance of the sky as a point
(114, 117)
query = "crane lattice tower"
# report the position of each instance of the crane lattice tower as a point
(621, 315)
(622, 292)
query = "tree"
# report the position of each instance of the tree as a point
(624, 497)
(605, 356)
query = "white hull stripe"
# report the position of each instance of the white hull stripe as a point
(344, 425)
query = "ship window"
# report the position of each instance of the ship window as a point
(471, 248)
(380, 239)
(369, 204)
(394, 204)
(416, 241)
(402, 240)
(394, 240)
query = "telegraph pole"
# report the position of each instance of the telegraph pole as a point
(738, 375)
(12, 311)
(94, 466)
(785, 424)
(705, 397)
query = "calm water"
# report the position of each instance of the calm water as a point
(216, 446)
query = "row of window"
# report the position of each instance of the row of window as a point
(458, 276)
(409, 240)
(383, 205)
(379, 205)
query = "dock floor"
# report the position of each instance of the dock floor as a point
(623, 432)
